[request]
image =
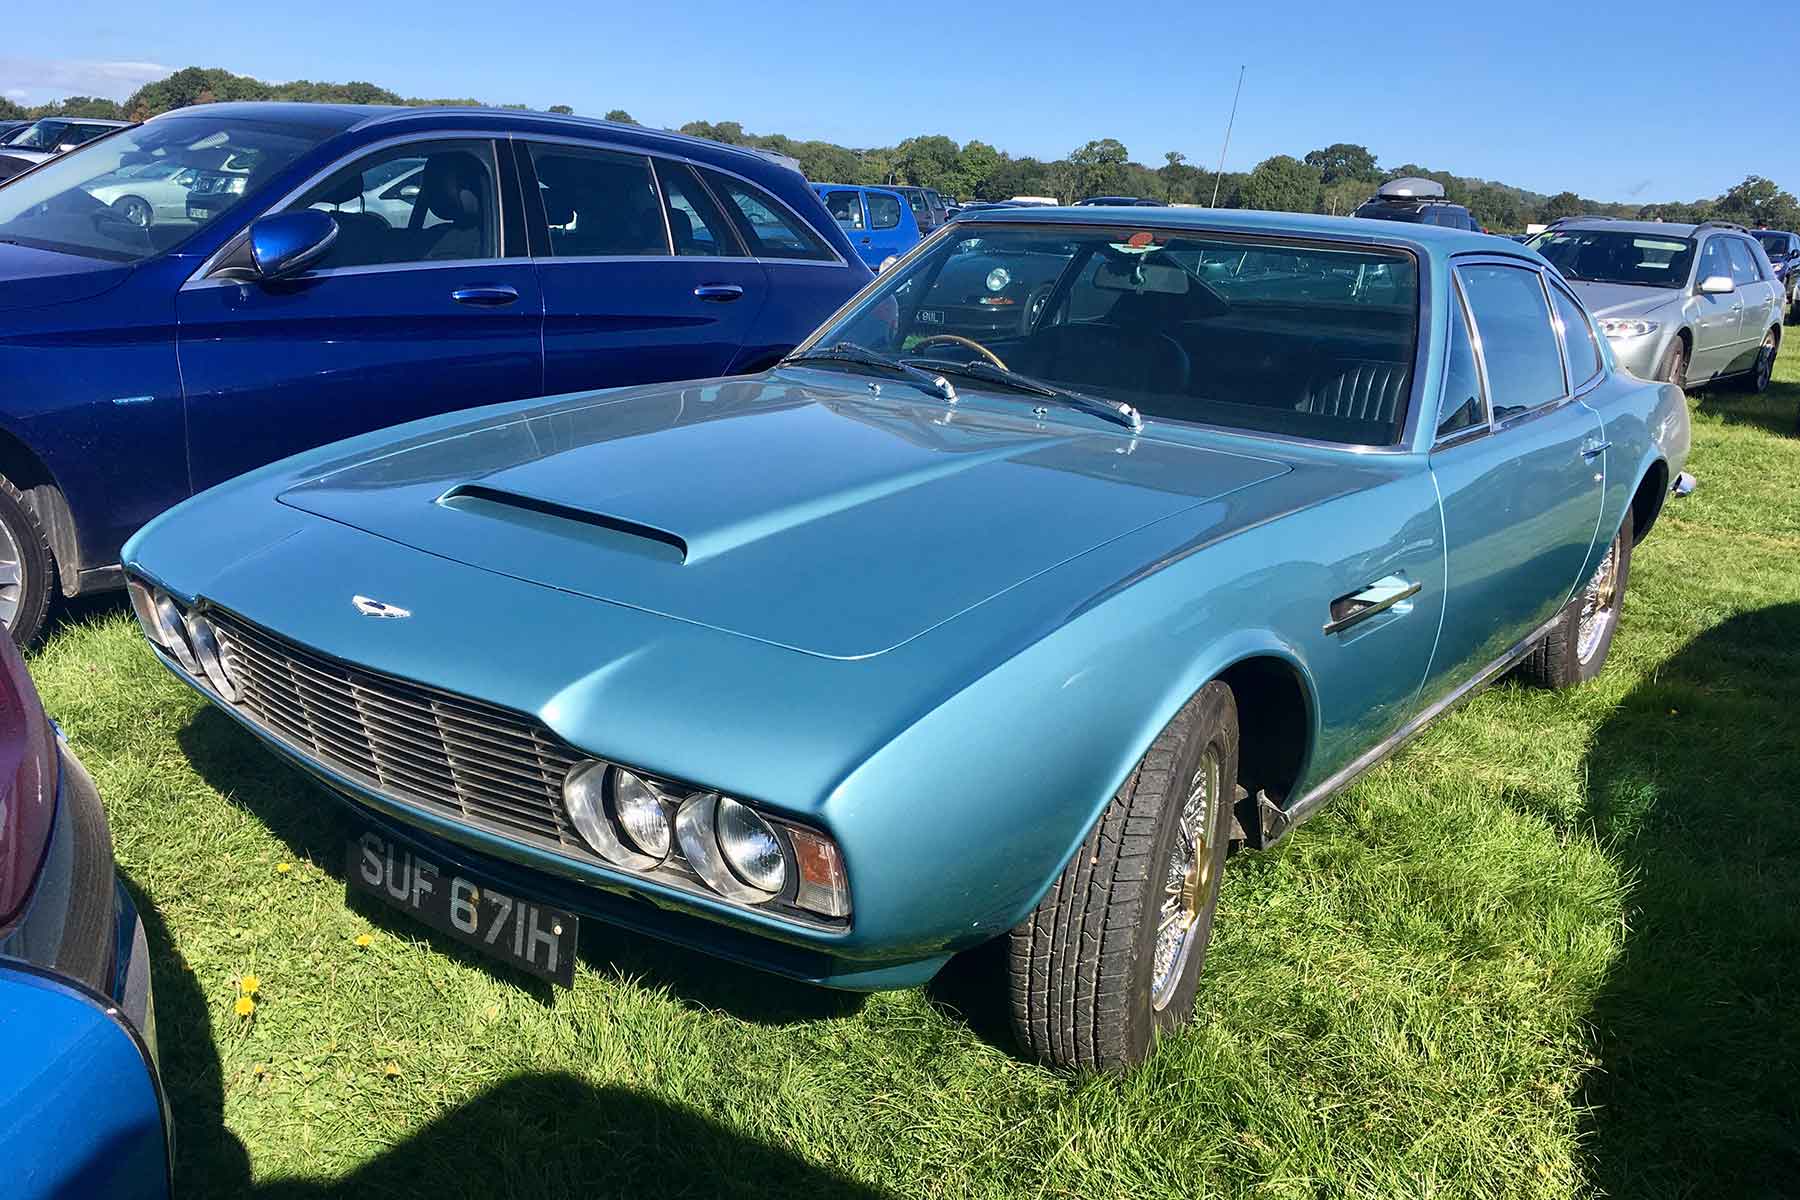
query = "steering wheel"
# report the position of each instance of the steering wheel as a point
(976, 346)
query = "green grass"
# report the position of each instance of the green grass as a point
(1550, 949)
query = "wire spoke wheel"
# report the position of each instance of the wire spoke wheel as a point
(1599, 605)
(1187, 882)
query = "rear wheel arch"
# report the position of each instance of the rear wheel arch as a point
(1647, 501)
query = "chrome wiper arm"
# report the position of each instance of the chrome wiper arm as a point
(1116, 411)
(850, 352)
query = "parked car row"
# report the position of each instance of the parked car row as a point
(1152, 528)
(28, 145)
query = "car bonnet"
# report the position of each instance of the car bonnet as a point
(787, 508)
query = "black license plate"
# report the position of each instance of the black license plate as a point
(524, 933)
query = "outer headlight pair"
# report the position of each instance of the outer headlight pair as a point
(1621, 328)
(189, 636)
(639, 824)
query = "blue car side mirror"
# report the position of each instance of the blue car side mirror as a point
(287, 243)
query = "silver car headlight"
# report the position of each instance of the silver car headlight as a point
(1620, 328)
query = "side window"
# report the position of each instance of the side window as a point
(1713, 260)
(598, 203)
(765, 224)
(1577, 338)
(1524, 362)
(884, 210)
(1462, 405)
(695, 222)
(1744, 268)
(420, 202)
(845, 208)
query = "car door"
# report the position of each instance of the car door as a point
(892, 228)
(1719, 316)
(397, 321)
(644, 280)
(846, 208)
(1762, 307)
(1519, 465)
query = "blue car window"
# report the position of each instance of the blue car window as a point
(845, 207)
(598, 203)
(1582, 354)
(767, 227)
(1518, 343)
(431, 201)
(1462, 405)
(695, 222)
(884, 210)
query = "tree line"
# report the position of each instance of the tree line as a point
(1333, 179)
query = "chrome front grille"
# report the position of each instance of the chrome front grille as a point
(474, 762)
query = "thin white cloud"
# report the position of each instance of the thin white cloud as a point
(52, 78)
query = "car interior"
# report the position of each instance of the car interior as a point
(1316, 344)
(441, 210)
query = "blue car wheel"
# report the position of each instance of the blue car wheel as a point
(1111, 957)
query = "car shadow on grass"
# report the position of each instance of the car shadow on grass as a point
(1695, 787)
(548, 1135)
(1776, 410)
(316, 826)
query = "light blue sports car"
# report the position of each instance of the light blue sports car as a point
(917, 641)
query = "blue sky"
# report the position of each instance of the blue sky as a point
(1616, 102)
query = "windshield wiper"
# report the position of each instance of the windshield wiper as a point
(850, 352)
(1115, 411)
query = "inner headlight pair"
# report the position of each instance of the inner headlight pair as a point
(1627, 327)
(639, 824)
(189, 636)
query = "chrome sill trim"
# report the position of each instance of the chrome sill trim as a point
(1293, 814)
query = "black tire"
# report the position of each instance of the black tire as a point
(1673, 368)
(1760, 375)
(1557, 661)
(1082, 969)
(128, 208)
(29, 594)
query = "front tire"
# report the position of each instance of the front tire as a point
(1111, 957)
(27, 568)
(134, 210)
(1575, 649)
(1757, 381)
(1674, 364)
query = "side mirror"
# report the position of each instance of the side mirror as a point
(287, 243)
(887, 262)
(1717, 285)
(410, 192)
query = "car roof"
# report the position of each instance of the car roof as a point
(1665, 228)
(1429, 238)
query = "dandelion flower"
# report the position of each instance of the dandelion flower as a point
(249, 985)
(245, 1006)
(392, 1070)
(283, 868)
(365, 940)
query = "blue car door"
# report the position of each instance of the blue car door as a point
(403, 318)
(1519, 464)
(644, 279)
(892, 229)
(846, 208)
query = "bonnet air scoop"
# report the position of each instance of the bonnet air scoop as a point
(566, 520)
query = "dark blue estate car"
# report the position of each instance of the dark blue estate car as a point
(334, 269)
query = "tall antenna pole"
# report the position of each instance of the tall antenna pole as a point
(1222, 149)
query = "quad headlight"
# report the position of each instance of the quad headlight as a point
(738, 853)
(186, 635)
(1627, 327)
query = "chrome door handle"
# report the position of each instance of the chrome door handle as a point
(486, 296)
(719, 292)
(1594, 450)
(1378, 597)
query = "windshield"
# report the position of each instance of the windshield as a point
(1616, 256)
(1249, 334)
(54, 208)
(1776, 244)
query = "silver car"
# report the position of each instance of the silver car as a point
(1687, 304)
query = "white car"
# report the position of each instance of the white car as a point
(146, 193)
(50, 136)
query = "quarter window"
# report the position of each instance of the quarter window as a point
(421, 202)
(884, 210)
(598, 203)
(1462, 405)
(765, 224)
(845, 208)
(695, 222)
(1518, 343)
(1582, 352)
